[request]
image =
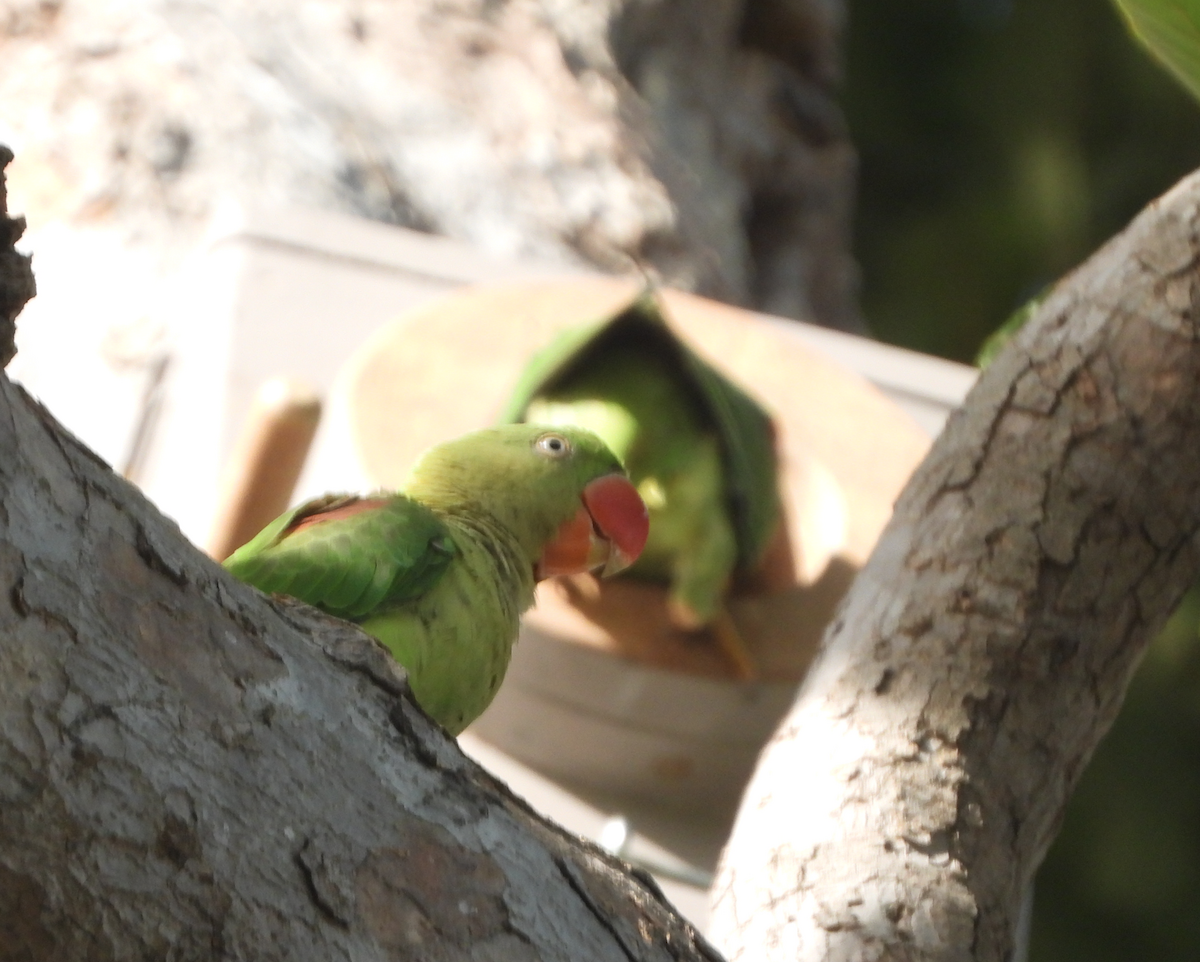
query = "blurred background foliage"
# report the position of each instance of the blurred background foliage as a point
(1001, 142)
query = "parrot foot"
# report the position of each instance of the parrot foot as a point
(729, 639)
(733, 645)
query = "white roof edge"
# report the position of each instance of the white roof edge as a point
(372, 244)
(399, 250)
(898, 369)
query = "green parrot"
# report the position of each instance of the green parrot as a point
(441, 570)
(699, 450)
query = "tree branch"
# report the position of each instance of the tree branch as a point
(16, 274)
(187, 764)
(906, 802)
(191, 770)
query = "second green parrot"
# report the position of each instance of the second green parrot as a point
(441, 571)
(700, 451)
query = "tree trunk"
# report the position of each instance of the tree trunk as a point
(904, 805)
(16, 277)
(696, 139)
(189, 770)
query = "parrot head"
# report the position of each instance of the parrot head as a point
(561, 491)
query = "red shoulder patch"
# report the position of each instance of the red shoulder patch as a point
(334, 511)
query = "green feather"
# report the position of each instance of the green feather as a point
(379, 558)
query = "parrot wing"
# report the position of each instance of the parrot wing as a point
(347, 555)
(747, 436)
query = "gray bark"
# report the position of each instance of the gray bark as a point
(699, 139)
(16, 275)
(902, 808)
(190, 770)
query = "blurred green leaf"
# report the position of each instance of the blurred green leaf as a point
(1170, 29)
(997, 153)
(1000, 337)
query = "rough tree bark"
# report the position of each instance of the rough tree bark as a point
(189, 770)
(16, 277)
(904, 805)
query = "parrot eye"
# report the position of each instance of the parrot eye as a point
(552, 446)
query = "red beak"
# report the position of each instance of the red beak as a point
(606, 534)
